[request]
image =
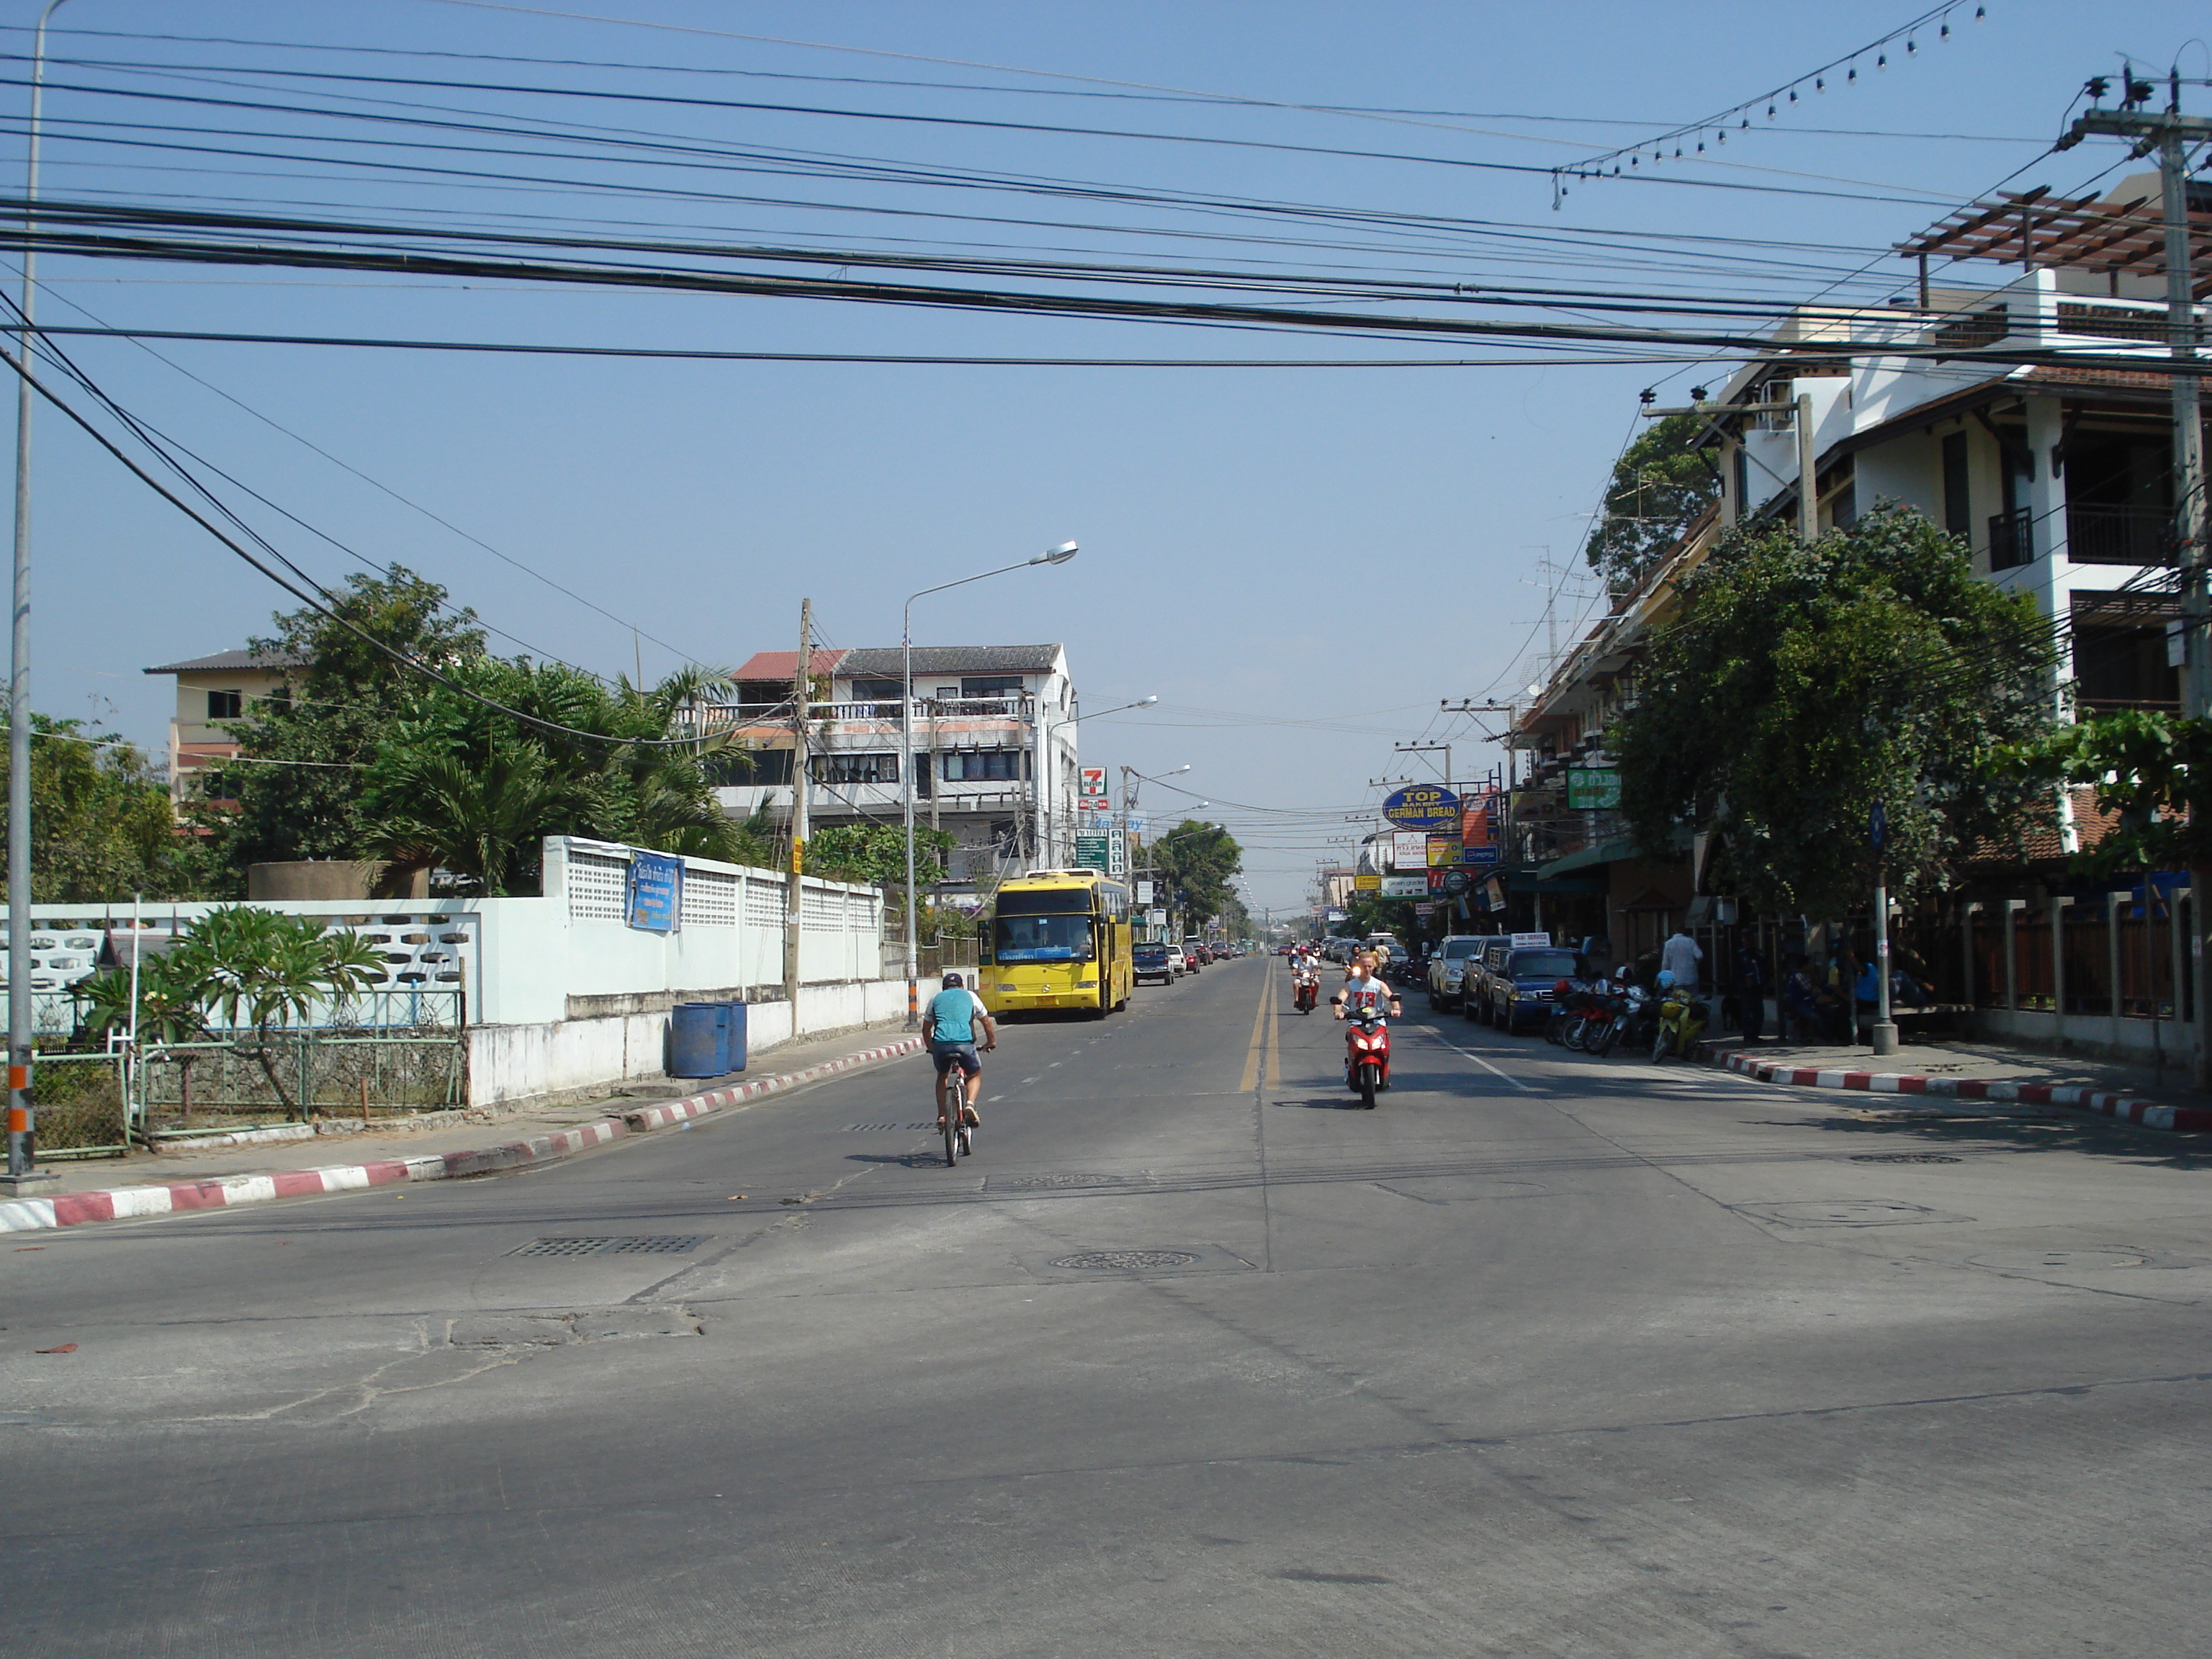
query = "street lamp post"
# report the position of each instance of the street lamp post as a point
(21, 1144)
(1060, 555)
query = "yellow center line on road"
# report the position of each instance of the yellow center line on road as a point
(1275, 1043)
(1250, 1080)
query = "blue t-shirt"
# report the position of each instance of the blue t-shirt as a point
(952, 1015)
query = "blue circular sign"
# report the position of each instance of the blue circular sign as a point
(1422, 806)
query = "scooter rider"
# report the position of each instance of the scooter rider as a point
(1363, 989)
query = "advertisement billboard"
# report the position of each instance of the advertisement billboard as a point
(1442, 850)
(1422, 806)
(1367, 882)
(1092, 851)
(655, 892)
(1593, 788)
(1409, 849)
(1405, 886)
(1092, 781)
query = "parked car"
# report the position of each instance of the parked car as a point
(1448, 967)
(1514, 986)
(1194, 951)
(1177, 961)
(1151, 962)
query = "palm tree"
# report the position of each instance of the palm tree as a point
(474, 819)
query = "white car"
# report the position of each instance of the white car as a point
(1177, 961)
(1448, 968)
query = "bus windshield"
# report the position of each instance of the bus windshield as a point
(1044, 939)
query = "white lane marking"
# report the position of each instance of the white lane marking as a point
(1523, 1087)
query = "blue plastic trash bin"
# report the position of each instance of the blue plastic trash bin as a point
(699, 1039)
(734, 1058)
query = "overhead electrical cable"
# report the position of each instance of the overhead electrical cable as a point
(314, 597)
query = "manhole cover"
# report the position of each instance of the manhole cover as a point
(1128, 1260)
(1055, 1182)
(675, 1245)
(1903, 1157)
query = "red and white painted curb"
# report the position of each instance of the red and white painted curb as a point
(178, 1197)
(2141, 1113)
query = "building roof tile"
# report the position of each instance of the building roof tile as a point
(223, 659)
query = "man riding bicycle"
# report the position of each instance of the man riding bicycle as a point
(950, 1021)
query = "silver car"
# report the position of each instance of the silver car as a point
(1448, 968)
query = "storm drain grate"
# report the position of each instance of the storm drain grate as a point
(1059, 1182)
(1903, 1157)
(675, 1244)
(1128, 1260)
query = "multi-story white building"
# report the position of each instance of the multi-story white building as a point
(210, 691)
(2057, 475)
(994, 761)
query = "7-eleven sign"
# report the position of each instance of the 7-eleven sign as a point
(1092, 781)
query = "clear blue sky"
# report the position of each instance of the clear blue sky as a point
(1343, 548)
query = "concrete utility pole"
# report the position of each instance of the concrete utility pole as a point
(794, 902)
(23, 1121)
(2171, 133)
(1808, 482)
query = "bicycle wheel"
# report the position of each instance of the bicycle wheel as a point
(956, 1100)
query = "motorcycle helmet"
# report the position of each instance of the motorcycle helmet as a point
(1666, 979)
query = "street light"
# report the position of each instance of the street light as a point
(1057, 554)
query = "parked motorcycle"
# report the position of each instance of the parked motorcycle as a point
(1634, 1018)
(1682, 1019)
(1589, 1020)
(1366, 1054)
(1562, 1014)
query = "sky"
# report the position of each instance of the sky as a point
(1302, 563)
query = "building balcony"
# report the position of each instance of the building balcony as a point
(2119, 535)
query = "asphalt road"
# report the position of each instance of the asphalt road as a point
(1547, 1356)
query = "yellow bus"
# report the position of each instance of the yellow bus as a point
(1058, 939)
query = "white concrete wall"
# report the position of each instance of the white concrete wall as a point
(509, 1064)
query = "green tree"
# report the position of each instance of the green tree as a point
(243, 969)
(865, 852)
(1197, 859)
(1801, 686)
(101, 827)
(2154, 770)
(299, 789)
(1660, 486)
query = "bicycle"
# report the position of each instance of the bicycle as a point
(952, 1110)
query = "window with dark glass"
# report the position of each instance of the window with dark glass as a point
(990, 685)
(856, 769)
(226, 705)
(1958, 509)
(973, 765)
(876, 691)
(739, 769)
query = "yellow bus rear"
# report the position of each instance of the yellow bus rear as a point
(1059, 938)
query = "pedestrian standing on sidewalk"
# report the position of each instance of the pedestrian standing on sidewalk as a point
(1680, 956)
(1751, 989)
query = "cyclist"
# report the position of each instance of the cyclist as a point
(950, 1020)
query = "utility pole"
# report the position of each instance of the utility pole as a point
(795, 902)
(1808, 482)
(22, 1119)
(2170, 133)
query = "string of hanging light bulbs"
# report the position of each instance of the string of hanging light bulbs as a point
(1694, 133)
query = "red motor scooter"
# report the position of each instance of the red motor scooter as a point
(1366, 1054)
(1305, 989)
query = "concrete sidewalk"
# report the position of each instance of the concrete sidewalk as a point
(1964, 1070)
(173, 1181)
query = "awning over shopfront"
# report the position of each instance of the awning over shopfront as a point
(1529, 878)
(1590, 858)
